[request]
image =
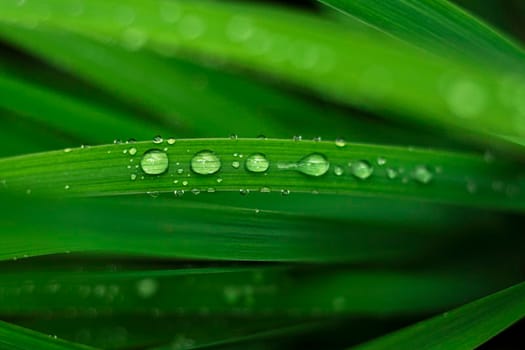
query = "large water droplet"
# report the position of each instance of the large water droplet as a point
(154, 162)
(422, 174)
(257, 163)
(362, 169)
(205, 163)
(314, 164)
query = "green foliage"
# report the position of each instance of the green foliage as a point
(400, 196)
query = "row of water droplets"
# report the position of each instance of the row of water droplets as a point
(155, 161)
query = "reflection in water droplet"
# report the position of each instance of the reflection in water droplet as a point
(154, 162)
(422, 174)
(362, 169)
(147, 287)
(205, 163)
(314, 164)
(257, 163)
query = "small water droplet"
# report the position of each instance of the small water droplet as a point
(362, 169)
(391, 173)
(265, 190)
(171, 141)
(297, 138)
(28, 191)
(466, 98)
(381, 161)
(184, 183)
(339, 142)
(210, 190)
(154, 162)
(219, 180)
(153, 194)
(261, 137)
(285, 192)
(133, 177)
(234, 137)
(124, 151)
(422, 174)
(67, 150)
(195, 191)
(180, 170)
(257, 163)
(314, 164)
(338, 171)
(117, 141)
(236, 164)
(132, 151)
(131, 140)
(318, 139)
(147, 287)
(205, 163)
(158, 139)
(67, 187)
(244, 191)
(178, 193)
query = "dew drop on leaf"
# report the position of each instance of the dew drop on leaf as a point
(205, 163)
(154, 162)
(339, 142)
(314, 164)
(171, 141)
(147, 287)
(158, 139)
(338, 171)
(132, 151)
(362, 169)
(422, 174)
(236, 164)
(391, 173)
(257, 163)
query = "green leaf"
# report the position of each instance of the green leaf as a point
(289, 166)
(381, 75)
(466, 327)
(437, 26)
(17, 338)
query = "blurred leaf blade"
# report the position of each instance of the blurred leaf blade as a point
(443, 84)
(466, 327)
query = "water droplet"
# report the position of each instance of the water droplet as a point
(338, 171)
(391, 173)
(236, 164)
(133, 177)
(124, 151)
(219, 180)
(67, 150)
(210, 190)
(257, 163)
(184, 183)
(339, 142)
(265, 190)
(362, 169)
(67, 187)
(314, 164)
(153, 194)
(422, 174)
(285, 192)
(158, 139)
(132, 151)
(205, 163)
(381, 161)
(244, 191)
(318, 139)
(147, 287)
(180, 171)
(171, 141)
(154, 162)
(195, 191)
(131, 140)
(297, 138)
(261, 137)
(117, 141)
(178, 193)
(234, 137)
